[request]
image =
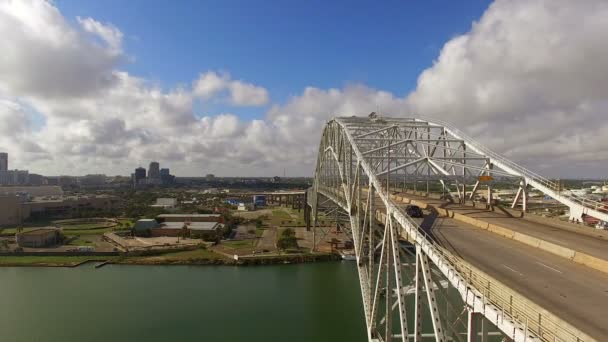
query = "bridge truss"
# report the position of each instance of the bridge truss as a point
(404, 274)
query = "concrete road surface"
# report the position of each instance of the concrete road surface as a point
(577, 294)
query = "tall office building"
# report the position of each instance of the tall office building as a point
(139, 175)
(3, 161)
(166, 178)
(154, 170)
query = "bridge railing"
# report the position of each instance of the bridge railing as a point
(513, 305)
(589, 203)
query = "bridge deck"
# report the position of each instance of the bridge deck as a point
(590, 241)
(575, 293)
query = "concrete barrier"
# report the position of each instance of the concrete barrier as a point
(564, 252)
(470, 220)
(527, 239)
(422, 205)
(442, 212)
(572, 227)
(591, 261)
(508, 233)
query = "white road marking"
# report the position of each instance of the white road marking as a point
(549, 267)
(513, 270)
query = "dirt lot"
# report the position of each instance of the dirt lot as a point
(253, 214)
(146, 243)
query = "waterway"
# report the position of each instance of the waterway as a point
(304, 302)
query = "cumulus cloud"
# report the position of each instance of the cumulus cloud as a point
(241, 93)
(531, 80)
(107, 32)
(43, 56)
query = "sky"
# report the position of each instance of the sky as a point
(244, 88)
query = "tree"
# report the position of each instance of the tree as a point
(288, 239)
(287, 242)
(288, 233)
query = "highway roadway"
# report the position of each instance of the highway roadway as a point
(575, 293)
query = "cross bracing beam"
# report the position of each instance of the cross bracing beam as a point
(349, 178)
(577, 206)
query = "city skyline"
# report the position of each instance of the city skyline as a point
(243, 99)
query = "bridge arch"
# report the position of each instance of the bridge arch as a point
(404, 274)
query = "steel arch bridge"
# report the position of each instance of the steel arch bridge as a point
(412, 288)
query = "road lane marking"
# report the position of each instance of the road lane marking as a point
(549, 267)
(513, 270)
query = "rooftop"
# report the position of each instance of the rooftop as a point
(187, 215)
(190, 225)
(40, 231)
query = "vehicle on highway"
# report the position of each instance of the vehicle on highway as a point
(413, 211)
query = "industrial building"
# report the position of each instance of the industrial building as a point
(19, 206)
(37, 238)
(32, 191)
(189, 218)
(165, 203)
(12, 211)
(177, 225)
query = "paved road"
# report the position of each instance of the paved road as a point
(575, 293)
(268, 239)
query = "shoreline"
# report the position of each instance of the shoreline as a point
(158, 260)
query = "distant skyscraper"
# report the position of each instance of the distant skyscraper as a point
(164, 172)
(3, 161)
(153, 170)
(140, 175)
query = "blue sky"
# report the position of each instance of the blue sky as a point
(284, 46)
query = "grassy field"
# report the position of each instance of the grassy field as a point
(197, 254)
(259, 232)
(286, 217)
(49, 260)
(71, 232)
(240, 244)
(194, 254)
(83, 226)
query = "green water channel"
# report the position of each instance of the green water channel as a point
(306, 302)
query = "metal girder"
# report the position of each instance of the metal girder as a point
(356, 168)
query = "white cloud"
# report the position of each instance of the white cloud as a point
(241, 93)
(531, 80)
(210, 84)
(110, 34)
(43, 56)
